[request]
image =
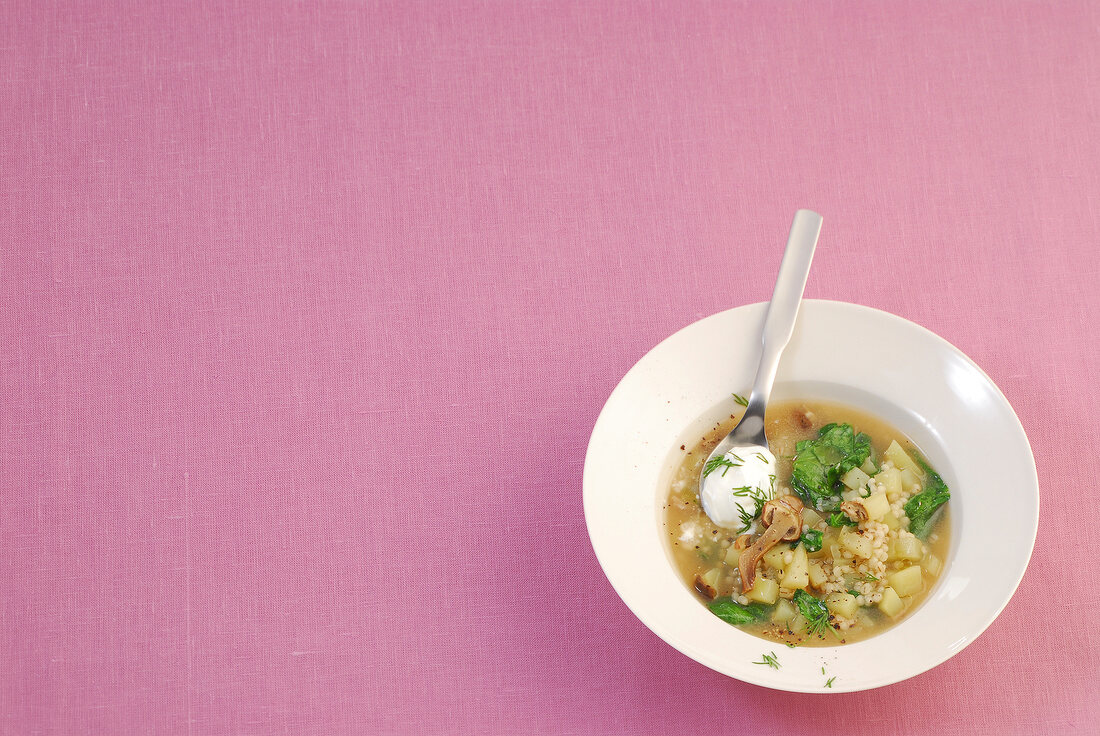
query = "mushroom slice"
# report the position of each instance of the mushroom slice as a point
(804, 418)
(783, 505)
(783, 519)
(854, 510)
(705, 588)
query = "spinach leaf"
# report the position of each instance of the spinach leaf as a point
(814, 611)
(922, 507)
(811, 540)
(819, 463)
(734, 613)
(839, 518)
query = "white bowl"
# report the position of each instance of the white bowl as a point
(860, 356)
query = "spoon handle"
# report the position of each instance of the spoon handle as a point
(783, 308)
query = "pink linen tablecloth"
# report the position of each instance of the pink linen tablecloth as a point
(309, 308)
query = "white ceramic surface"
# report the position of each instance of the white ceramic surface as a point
(859, 356)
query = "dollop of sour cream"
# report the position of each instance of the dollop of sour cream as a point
(724, 495)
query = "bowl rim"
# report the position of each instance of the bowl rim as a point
(1005, 592)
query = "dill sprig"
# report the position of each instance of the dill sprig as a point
(747, 516)
(818, 624)
(769, 660)
(747, 492)
(815, 613)
(722, 462)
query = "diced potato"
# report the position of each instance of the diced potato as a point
(774, 557)
(909, 480)
(905, 548)
(710, 577)
(797, 623)
(731, 556)
(842, 604)
(811, 517)
(901, 458)
(764, 591)
(817, 574)
(858, 544)
(876, 505)
(891, 521)
(707, 583)
(906, 581)
(891, 603)
(891, 479)
(800, 556)
(797, 574)
(784, 611)
(855, 478)
(868, 466)
(931, 564)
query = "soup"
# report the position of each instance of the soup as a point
(864, 522)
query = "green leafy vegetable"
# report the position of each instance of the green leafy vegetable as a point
(922, 507)
(740, 399)
(839, 518)
(814, 611)
(811, 540)
(819, 463)
(770, 660)
(734, 613)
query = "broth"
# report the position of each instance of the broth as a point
(706, 555)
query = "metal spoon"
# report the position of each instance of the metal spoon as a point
(778, 326)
